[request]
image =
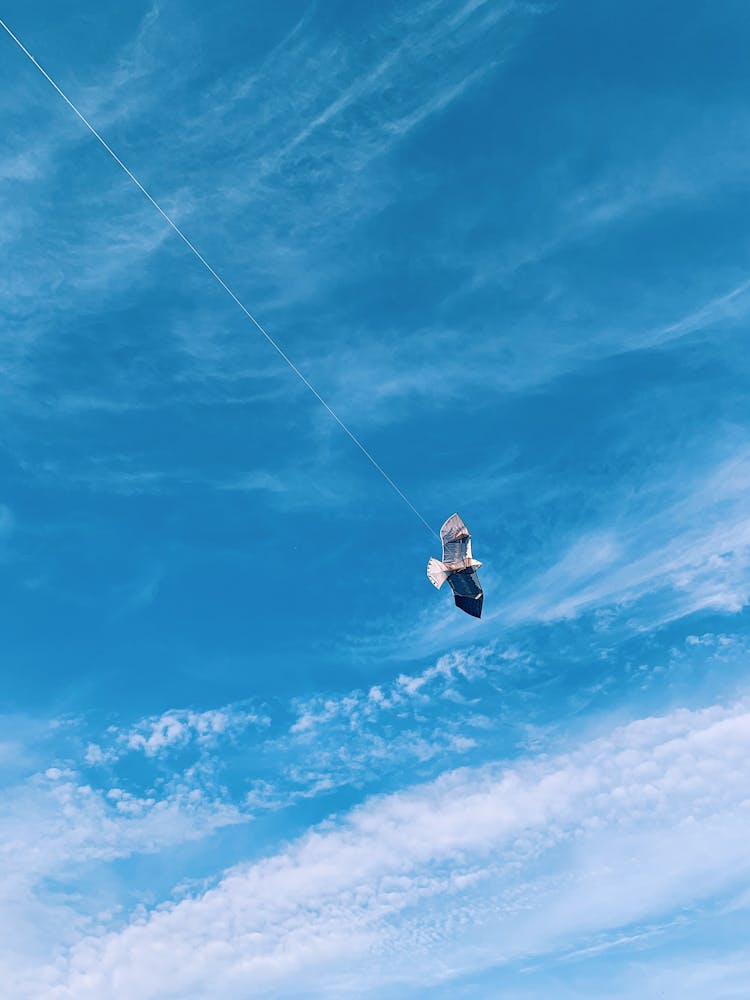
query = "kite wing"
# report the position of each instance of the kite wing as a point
(471, 605)
(467, 591)
(456, 542)
(437, 573)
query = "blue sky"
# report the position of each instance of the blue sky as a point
(246, 749)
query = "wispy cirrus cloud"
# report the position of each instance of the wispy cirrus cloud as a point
(104, 250)
(697, 549)
(257, 133)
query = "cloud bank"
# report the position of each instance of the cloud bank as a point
(481, 867)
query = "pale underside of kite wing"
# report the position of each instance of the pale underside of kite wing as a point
(437, 572)
(456, 543)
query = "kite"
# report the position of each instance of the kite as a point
(458, 567)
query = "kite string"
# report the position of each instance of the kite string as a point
(218, 277)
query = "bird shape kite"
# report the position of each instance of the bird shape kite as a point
(458, 567)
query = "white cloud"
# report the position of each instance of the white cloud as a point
(75, 822)
(432, 682)
(175, 729)
(483, 866)
(55, 826)
(361, 736)
(698, 548)
(180, 728)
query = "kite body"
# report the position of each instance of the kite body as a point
(458, 567)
